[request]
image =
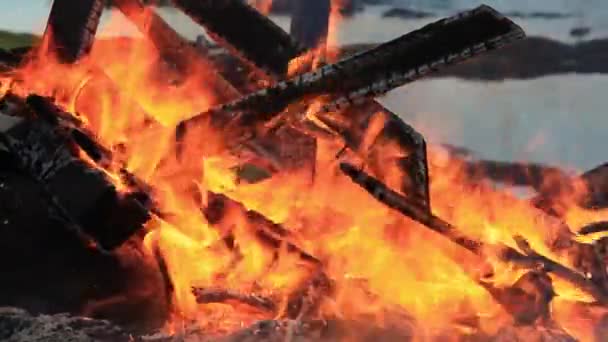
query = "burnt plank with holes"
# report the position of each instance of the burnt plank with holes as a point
(49, 150)
(72, 26)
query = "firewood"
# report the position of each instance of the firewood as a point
(527, 300)
(530, 259)
(71, 28)
(175, 48)
(269, 233)
(245, 32)
(376, 71)
(409, 209)
(552, 183)
(593, 228)
(220, 295)
(534, 175)
(371, 131)
(47, 148)
(368, 128)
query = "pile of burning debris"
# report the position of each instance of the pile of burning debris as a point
(291, 207)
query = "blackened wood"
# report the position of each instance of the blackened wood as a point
(72, 26)
(379, 70)
(310, 22)
(596, 181)
(596, 227)
(411, 164)
(528, 299)
(245, 31)
(530, 259)
(82, 192)
(46, 269)
(310, 26)
(175, 49)
(521, 174)
(220, 295)
(271, 234)
(412, 210)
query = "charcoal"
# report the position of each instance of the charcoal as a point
(379, 70)
(245, 32)
(72, 26)
(83, 194)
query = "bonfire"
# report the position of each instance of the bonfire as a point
(169, 192)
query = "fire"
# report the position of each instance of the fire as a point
(264, 6)
(382, 263)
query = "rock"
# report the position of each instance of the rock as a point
(405, 13)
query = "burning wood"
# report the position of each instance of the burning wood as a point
(48, 148)
(272, 53)
(379, 70)
(72, 27)
(529, 259)
(175, 48)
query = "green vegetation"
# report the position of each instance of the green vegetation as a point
(10, 40)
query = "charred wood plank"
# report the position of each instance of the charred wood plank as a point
(359, 126)
(220, 295)
(72, 26)
(368, 130)
(83, 194)
(528, 299)
(378, 70)
(529, 259)
(520, 174)
(175, 48)
(269, 233)
(410, 209)
(244, 31)
(593, 228)
(596, 181)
